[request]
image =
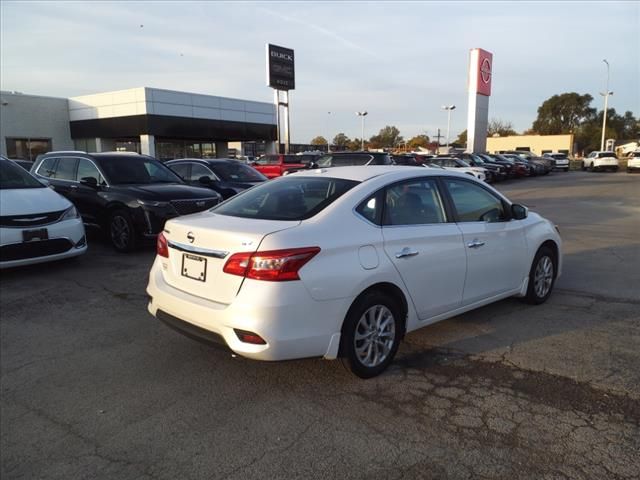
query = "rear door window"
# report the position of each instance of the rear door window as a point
(182, 169)
(66, 169)
(415, 202)
(198, 171)
(48, 167)
(86, 169)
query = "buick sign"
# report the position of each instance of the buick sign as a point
(280, 68)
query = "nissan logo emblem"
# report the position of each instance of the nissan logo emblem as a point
(190, 237)
(485, 70)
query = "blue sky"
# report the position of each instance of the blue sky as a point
(399, 60)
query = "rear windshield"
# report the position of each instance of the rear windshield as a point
(237, 172)
(344, 160)
(286, 198)
(13, 176)
(606, 155)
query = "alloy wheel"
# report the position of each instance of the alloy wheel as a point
(120, 232)
(374, 336)
(543, 276)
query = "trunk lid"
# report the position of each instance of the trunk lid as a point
(201, 244)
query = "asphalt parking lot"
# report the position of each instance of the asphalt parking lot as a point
(93, 387)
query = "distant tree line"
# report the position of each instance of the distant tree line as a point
(561, 114)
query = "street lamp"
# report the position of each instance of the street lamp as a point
(606, 102)
(329, 137)
(448, 108)
(362, 115)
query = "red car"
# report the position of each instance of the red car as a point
(273, 166)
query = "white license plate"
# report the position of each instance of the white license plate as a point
(194, 267)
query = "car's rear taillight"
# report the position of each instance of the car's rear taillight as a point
(162, 248)
(273, 265)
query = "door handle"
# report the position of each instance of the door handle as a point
(74, 187)
(475, 243)
(406, 252)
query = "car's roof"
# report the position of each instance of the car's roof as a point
(364, 173)
(205, 160)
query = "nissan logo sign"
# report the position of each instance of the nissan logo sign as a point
(485, 70)
(190, 237)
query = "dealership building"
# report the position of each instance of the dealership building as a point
(537, 144)
(163, 123)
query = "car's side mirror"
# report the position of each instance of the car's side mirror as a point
(89, 182)
(205, 180)
(519, 212)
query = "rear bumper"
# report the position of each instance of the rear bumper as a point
(283, 314)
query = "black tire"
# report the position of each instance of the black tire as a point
(536, 293)
(121, 231)
(591, 168)
(628, 170)
(360, 311)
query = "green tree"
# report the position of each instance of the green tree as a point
(341, 140)
(388, 136)
(563, 113)
(319, 140)
(356, 143)
(588, 136)
(500, 127)
(418, 141)
(462, 138)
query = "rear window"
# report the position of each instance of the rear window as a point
(237, 172)
(606, 155)
(344, 160)
(287, 198)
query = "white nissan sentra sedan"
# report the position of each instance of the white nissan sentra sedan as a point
(342, 262)
(36, 224)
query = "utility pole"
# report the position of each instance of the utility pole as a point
(438, 137)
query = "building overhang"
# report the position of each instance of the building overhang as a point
(172, 127)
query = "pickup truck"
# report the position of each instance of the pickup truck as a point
(272, 166)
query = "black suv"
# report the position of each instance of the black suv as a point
(225, 176)
(130, 196)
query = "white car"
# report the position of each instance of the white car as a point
(459, 165)
(342, 262)
(560, 160)
(36, 224)
(633, 162)
(600, 161)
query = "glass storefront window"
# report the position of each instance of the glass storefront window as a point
(27, 148)
(168, 149)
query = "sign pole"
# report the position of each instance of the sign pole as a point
(281, 77)
(287, 126)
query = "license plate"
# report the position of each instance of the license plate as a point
(39, 234)
(194, 267)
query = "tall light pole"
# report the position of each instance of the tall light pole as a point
(606, 103)
(448, 108)
(362, 115)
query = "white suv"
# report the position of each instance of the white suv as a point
(600, 161)
(633, 162)
(560, 160)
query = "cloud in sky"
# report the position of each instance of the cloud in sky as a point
(399, 60)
